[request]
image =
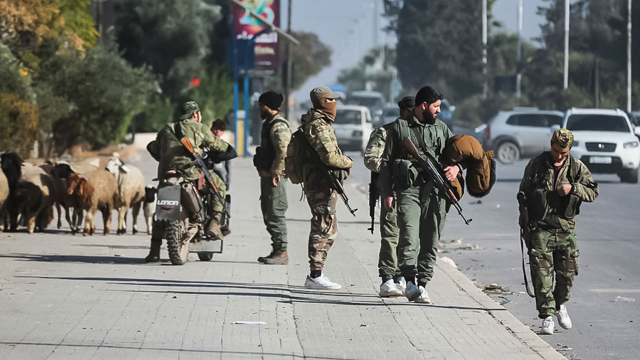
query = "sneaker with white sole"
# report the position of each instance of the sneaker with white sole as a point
(401, 285)
(563, 318)
(412, 292)
(321, 283)
(424, 296)
(389, 289)
(547, 326)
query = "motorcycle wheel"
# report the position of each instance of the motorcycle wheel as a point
(178, 251)
(205, 256)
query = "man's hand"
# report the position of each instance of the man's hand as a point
(275, 180)
(564, 189)
(450, 172)
(388, 203)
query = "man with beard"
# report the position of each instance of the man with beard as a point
(269, 161)
(421, 209)
(317, 126)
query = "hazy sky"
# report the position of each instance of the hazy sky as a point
(347, 26)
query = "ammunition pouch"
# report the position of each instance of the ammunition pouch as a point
(404, 173)
(261, 160)
(568, 209)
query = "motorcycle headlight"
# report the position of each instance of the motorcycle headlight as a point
(630, 144)
(357, 133)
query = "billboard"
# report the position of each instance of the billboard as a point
(266, 45)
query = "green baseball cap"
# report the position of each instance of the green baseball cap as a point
(323, 92)
(187, 109)
(562, 138)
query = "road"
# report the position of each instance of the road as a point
(609, 246)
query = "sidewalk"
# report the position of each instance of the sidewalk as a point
(73, 297)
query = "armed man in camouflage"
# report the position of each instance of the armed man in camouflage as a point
(393, 283)
(317, 126)
(171, 154)
(269, 160)
(553, 187)
(421, 209)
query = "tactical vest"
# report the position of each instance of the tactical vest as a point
(266, 152)
(543, 201)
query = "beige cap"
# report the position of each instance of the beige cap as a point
(323, 92)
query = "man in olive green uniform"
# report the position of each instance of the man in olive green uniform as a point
(269, 160)
(392, 282)
(171, 154)
(552, 188)
(317, 126)
(421, 210)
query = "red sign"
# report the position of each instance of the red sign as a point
(266, 45)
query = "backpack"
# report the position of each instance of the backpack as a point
(296, 157)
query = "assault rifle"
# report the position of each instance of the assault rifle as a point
(525, 235)
(434, 172)
(373, 199)
(202, 167)
(334, 183)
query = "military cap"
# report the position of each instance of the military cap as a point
(407, 103)
(562, 138)
(187, 109)
(323, 92)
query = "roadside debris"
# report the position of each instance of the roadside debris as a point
(624, 299)
(495, 289)
(453, 245)
(245, 322)
(447, 260)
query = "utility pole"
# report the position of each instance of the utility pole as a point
(519, 57)
(287, 85)
(567, 9)
(629, 60)
(484, 48)
(376, 3)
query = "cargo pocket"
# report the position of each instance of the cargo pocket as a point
(404, 173)
(573, 261)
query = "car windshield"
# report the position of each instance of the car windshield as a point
(594, 122)
(370, 102)
(353, 117)
(392, 112)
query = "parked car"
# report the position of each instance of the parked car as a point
(353, 127)
(605, 142)
(391, 114)
(523, 132)
(373, 100)
(446, 113)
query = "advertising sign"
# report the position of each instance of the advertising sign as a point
(266, 45)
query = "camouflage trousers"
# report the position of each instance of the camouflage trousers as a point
(389, 233)
(324, 225)
(553, 252)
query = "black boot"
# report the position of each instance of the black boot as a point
(263, 259)
(154, 251)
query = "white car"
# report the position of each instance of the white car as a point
(352, 127)
(604, 140)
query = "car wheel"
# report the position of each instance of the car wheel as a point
(629, 176)
(508, 152)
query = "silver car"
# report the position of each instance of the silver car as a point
(523, 132)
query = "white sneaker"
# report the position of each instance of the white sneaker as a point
(424, 296)
(321, 283)
(402, 285)
(563, 318)
(547, 326)
(412, 292)
(389, 289)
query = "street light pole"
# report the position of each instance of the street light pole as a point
(519, 55)
(287, 85)
(566, 42)
(629, 107)
(484, 48)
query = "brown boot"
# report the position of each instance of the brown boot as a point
(279, 258)
(154, 252)
(264, 258)
(213, 229)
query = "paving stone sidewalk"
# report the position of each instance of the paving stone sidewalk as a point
(75, 297)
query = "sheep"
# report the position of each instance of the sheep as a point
(4, 194)
(131, 192)
(12, 170)
(34, 198)
(96, 190)
(60, 173)
(149, 206)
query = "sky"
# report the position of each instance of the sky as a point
(347, 26)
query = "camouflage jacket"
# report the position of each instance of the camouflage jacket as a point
(375, 148)
(434, 137)
(170, 153)
(279, 138)
(541, 174)
(318, 129)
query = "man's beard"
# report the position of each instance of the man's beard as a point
(428, 118)
(263, 115)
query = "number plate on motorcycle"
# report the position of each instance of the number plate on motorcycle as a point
(168, 203)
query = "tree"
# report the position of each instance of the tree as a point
(215, 94)
(371, 72)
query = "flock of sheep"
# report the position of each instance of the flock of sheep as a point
(29, 194)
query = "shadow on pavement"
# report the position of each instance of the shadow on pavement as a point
(87, 259)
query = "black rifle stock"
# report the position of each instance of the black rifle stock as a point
(334, 183)
(373, 199)
(525, 235)
(433, 172)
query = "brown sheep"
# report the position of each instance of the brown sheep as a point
(96, 190)
(4, 194)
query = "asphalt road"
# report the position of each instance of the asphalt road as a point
(609, 245)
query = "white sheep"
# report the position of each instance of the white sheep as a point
(131, 192)
(150, 192)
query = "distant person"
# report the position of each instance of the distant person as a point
(223, 168)
(393, 284)
(317, 126)
(269, 161)
(552, 188)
